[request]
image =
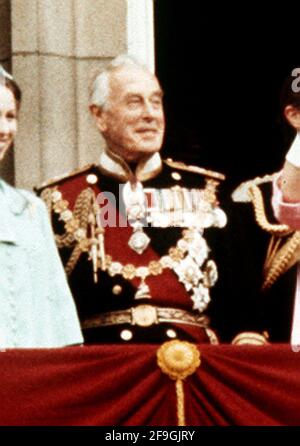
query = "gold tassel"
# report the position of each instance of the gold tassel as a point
(178, 359)
(180, 403)
(271, 252)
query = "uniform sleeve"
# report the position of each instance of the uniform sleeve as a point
(286, 213)
(69, 331)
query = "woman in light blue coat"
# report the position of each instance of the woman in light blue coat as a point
(36, 306)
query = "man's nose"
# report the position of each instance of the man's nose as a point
(148, 110)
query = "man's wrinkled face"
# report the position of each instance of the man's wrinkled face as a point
(132, 122)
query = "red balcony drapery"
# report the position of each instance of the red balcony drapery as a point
(114, 385)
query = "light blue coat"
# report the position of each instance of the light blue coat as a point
(36, 306)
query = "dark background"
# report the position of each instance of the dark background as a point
(222, 68)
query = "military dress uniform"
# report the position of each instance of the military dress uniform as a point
(134, 247)
(259, 267)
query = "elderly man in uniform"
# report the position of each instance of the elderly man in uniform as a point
(131, 228)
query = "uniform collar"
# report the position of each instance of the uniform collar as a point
(113, 165)
(12, 202)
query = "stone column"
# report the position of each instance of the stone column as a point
(140, 31)
(58, 46)
(7, 165)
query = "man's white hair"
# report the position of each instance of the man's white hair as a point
(101, 86)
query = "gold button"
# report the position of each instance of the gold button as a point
(176, 176)
(117, 289)
(171, 333)
(126, 335)
(91, 178)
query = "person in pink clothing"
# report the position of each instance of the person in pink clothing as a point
(286, 191)
(286, 194)
(286, 188)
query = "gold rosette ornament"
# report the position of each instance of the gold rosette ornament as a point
(178, 360)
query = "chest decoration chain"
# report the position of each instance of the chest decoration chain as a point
(188, 259)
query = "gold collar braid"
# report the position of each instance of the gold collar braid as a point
(260, 214)
(281, 255)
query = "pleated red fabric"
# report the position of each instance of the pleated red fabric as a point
(113, 385)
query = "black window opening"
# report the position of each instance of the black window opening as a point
(222, 69)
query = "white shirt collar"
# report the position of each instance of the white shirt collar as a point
(116, 167)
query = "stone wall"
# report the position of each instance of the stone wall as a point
(57, 47)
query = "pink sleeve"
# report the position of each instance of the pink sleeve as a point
(287, 213)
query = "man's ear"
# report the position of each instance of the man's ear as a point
(292, 115)
(100, 117)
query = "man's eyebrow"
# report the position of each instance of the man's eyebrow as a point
(132, 94)
(158, 93)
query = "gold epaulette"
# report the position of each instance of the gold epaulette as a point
(55, 180)
(242, 193)
(282, 253)
(249, 192)
(194, 169)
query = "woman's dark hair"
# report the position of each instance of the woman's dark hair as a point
(290, 92)
(289, 95)
(15, 89)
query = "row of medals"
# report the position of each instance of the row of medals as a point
(177, 207)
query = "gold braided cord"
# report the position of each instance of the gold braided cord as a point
(260, 214)
(76, 253)
(279, 258)
(64, 240)
(180, 403)
(81, 211)
(80, 220)
(83, 205)
(284, 259)
(272, 249)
